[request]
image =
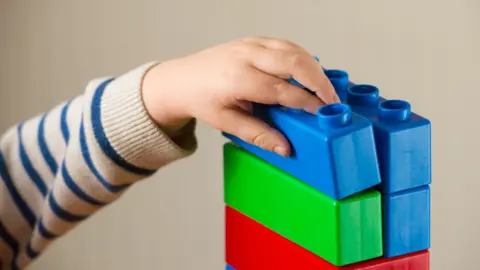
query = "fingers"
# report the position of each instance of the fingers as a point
(253, 131)
(292, 62)
(267, 89)
(292, 96)
(245, 105)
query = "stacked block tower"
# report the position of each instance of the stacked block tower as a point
(354, 194)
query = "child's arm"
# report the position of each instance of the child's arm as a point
(61, 167)
(58, 169)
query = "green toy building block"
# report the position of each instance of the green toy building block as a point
(341, 232)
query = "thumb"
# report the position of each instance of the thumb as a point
(254, 131)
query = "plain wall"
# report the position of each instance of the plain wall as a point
(423, 51)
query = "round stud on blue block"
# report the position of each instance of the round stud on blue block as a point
(339, 79)
(394, 110)
(334, 115)
(363, 95)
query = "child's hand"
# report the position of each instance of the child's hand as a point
(217, 85)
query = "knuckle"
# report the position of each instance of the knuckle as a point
(295, 58)
(281, 44)
(241, 49)
(289, 44)
(288, 95)
(284, 94)
(279, 87)
(247, 39)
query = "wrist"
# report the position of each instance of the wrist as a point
(159, 104)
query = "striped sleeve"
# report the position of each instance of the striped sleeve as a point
(59, 168)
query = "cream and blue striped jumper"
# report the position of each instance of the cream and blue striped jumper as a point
(59, 168)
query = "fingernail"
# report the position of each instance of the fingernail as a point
(280, 150)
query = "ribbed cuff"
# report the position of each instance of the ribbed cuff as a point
(131, 131)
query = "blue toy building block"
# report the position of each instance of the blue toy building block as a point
(403, 138)
(333, 151)
(229, 267)
(406, 221)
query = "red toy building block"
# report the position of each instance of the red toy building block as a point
(252, 246)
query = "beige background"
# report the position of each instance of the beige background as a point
(424, 51)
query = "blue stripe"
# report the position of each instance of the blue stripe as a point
(76, 189)
(102, 139)
(64, 122)
(61, 213)
(51, 162)
(26, 212)
(88, 160)
(32, 254)
(8, 238)
(11, 242)
(27, 165)
(44, 231)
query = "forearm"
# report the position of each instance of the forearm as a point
(60, 168)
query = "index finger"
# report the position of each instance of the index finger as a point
(307, 72)
(298, 65)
